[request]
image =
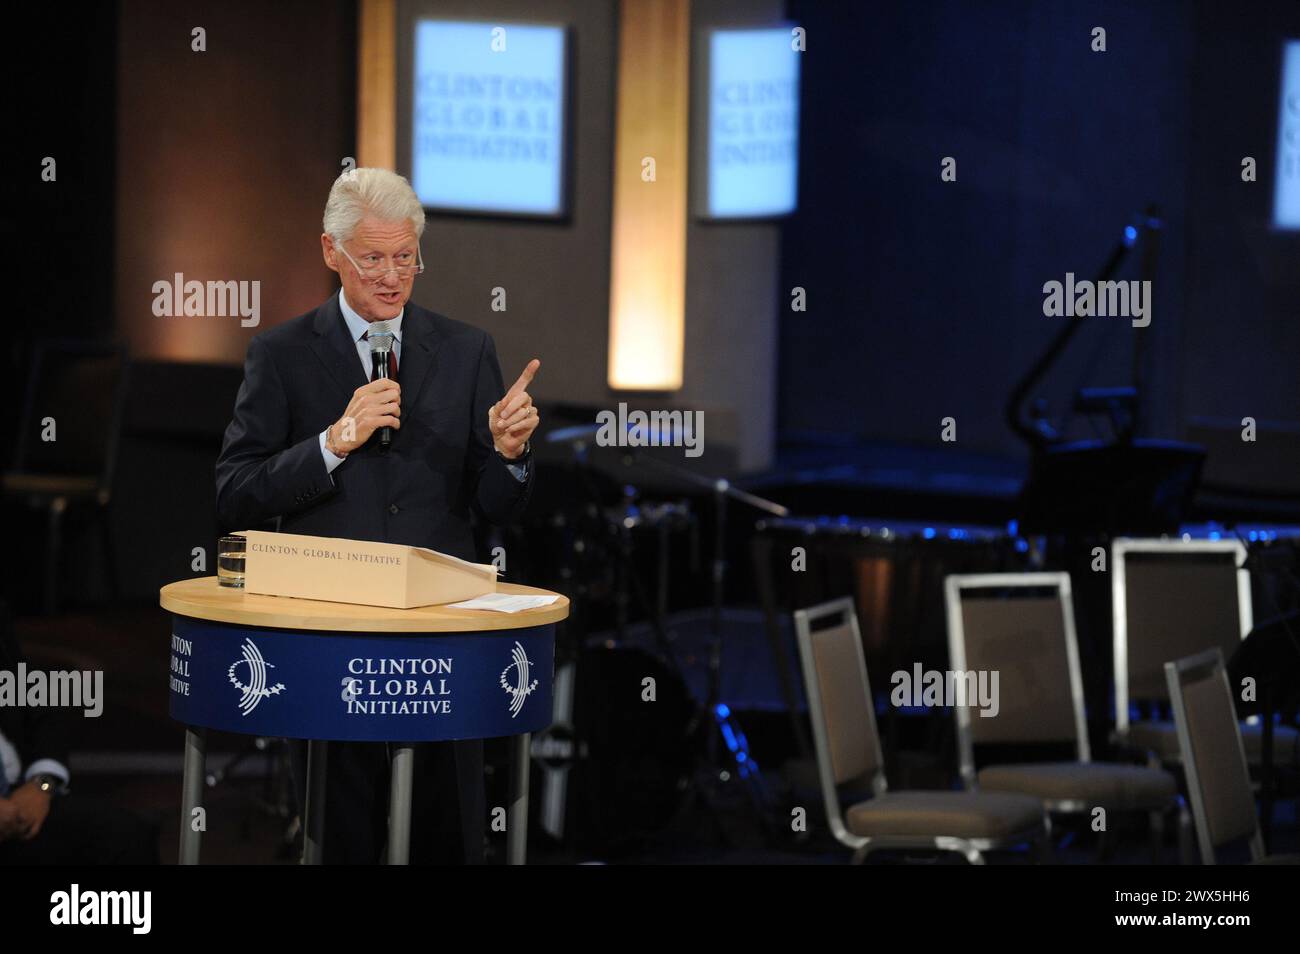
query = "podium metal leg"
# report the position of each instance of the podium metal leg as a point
(196, 747)
(313, 829)
(399, 806)
(517, 816)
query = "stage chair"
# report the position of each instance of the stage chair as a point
(849, 756)
(81, 385)
(1021, 625)
(1172, 599)
(1214, 757)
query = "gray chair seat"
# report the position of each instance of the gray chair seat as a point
(1162, 739)
(1106, 784)
(955, 814)
(1278, 860)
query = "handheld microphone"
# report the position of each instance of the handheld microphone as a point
(381, 348)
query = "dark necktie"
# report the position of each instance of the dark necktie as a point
(392, 359)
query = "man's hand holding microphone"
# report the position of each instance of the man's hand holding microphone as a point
(511, 420)
(374, 405)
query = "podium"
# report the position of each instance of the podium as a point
(321, 671)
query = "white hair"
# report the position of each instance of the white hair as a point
(369, 191)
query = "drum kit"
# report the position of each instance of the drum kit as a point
(628, 770)
(632, 750)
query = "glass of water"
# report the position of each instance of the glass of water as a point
(230, 561)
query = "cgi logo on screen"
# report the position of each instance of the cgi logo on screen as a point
(488, 117)
(753, 139)
(1286, 196)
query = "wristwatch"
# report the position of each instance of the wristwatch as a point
(528, 452)
(49, 784)
(329, 443)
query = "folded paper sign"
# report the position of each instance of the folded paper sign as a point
(359, 571)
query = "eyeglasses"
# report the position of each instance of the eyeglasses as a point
(375, 268)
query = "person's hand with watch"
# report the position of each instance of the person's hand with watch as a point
(513, 419)
(31, 801)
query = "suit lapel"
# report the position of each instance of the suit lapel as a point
(335, 347)
(420, 345)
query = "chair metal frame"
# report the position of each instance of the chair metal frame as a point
(1122, 546)
(55, 501)
(953, 586)
(47, 352)
(1175, 674)
(1060, 581)
(972, 849)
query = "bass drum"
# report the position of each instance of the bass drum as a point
(636, 757)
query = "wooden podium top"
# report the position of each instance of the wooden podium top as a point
(202, 598)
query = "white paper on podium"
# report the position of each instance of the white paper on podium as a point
(504, 602)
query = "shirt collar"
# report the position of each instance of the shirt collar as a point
(358, 326)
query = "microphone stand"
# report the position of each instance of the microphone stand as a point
(722, 491)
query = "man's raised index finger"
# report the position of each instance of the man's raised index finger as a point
(525, 379)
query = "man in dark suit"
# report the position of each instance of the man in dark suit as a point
(304, 450)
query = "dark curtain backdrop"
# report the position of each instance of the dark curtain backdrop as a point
(925, 297)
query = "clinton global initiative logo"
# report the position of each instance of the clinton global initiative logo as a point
(255, 690)
(517, 687)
